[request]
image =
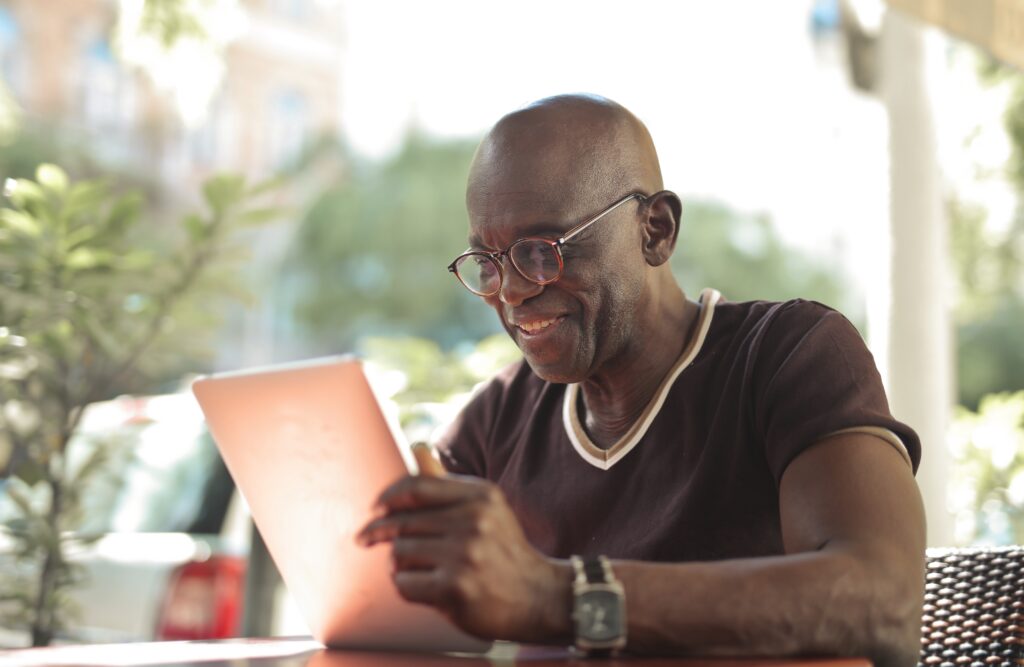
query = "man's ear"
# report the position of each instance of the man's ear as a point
(660, 226)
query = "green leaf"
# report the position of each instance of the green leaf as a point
(267, 186)
(136, 260)
(53, 178)
(223, 191)
(81, 236)
(82, 259)
(20, 222)
(63, 329)
(260, 216)
(85, 197)
(26, 193)
(195, 226)
(123, 214)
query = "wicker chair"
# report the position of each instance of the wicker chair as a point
(974, 608)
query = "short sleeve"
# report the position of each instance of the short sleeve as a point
(461, 446)
(464, 444)
(814, 377)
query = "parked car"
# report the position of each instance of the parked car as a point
(171, 562)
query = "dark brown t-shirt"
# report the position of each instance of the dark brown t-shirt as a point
(697, 479)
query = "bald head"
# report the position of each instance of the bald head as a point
(578, 148)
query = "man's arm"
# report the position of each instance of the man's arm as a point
(851, 582)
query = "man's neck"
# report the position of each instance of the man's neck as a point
(616, 398)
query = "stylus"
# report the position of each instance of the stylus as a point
(425, 461)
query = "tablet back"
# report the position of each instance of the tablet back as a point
(309, 448)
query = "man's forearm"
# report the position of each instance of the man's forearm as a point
(825, 602)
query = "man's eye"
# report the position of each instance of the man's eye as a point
(484, 265)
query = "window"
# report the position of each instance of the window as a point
(105, 92)
(299, 10)
(212, 144)
(288, 121)
(12, 62)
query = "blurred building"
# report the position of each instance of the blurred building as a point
(279, 92)
(281, 87)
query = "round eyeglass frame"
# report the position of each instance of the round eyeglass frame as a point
(495, 257)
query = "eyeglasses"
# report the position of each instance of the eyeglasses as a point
(538, 260)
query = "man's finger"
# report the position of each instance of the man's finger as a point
(424, 586)
(414, 492)
(451, 520)
(419, 553)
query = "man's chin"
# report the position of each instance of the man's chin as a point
(554, 355)
(555, 373)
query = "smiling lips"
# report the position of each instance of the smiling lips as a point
(536, 326)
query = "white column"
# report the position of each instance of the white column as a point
(920, 356)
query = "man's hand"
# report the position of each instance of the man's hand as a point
(457, 546)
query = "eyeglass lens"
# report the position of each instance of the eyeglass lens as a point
(536, 260)
(479, 273)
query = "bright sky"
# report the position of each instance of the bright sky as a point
(738, 104)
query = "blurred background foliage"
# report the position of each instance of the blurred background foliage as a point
(357, 264)
(370, 256)
(743, 256)
(94, 301)
(363, 259)
(988, 488)
(987, 436)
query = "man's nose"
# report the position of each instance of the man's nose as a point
(514, 288)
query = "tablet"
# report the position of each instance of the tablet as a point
(310, 449)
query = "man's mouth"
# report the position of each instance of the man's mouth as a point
(534, 327)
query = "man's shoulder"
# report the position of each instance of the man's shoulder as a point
(794, 317)
(764, 311)
(491, 420)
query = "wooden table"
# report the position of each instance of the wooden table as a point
(304, 652)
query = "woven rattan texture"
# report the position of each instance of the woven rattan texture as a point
(974, 608)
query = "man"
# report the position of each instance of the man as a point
(736, 463)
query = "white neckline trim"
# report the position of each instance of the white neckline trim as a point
(606, 458)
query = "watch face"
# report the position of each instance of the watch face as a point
(599, 615)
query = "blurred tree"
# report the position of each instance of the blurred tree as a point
(987, 436)
(989, 262)
(370, 255)
(988, 481)
(89, 305)
(743, 257)
(37, 142)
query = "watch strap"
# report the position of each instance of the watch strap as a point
(592, 569)
(596, 571)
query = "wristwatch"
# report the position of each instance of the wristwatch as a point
(599, 606)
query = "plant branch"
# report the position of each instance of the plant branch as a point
(165, 305)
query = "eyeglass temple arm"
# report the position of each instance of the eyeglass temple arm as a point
(583, 225)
